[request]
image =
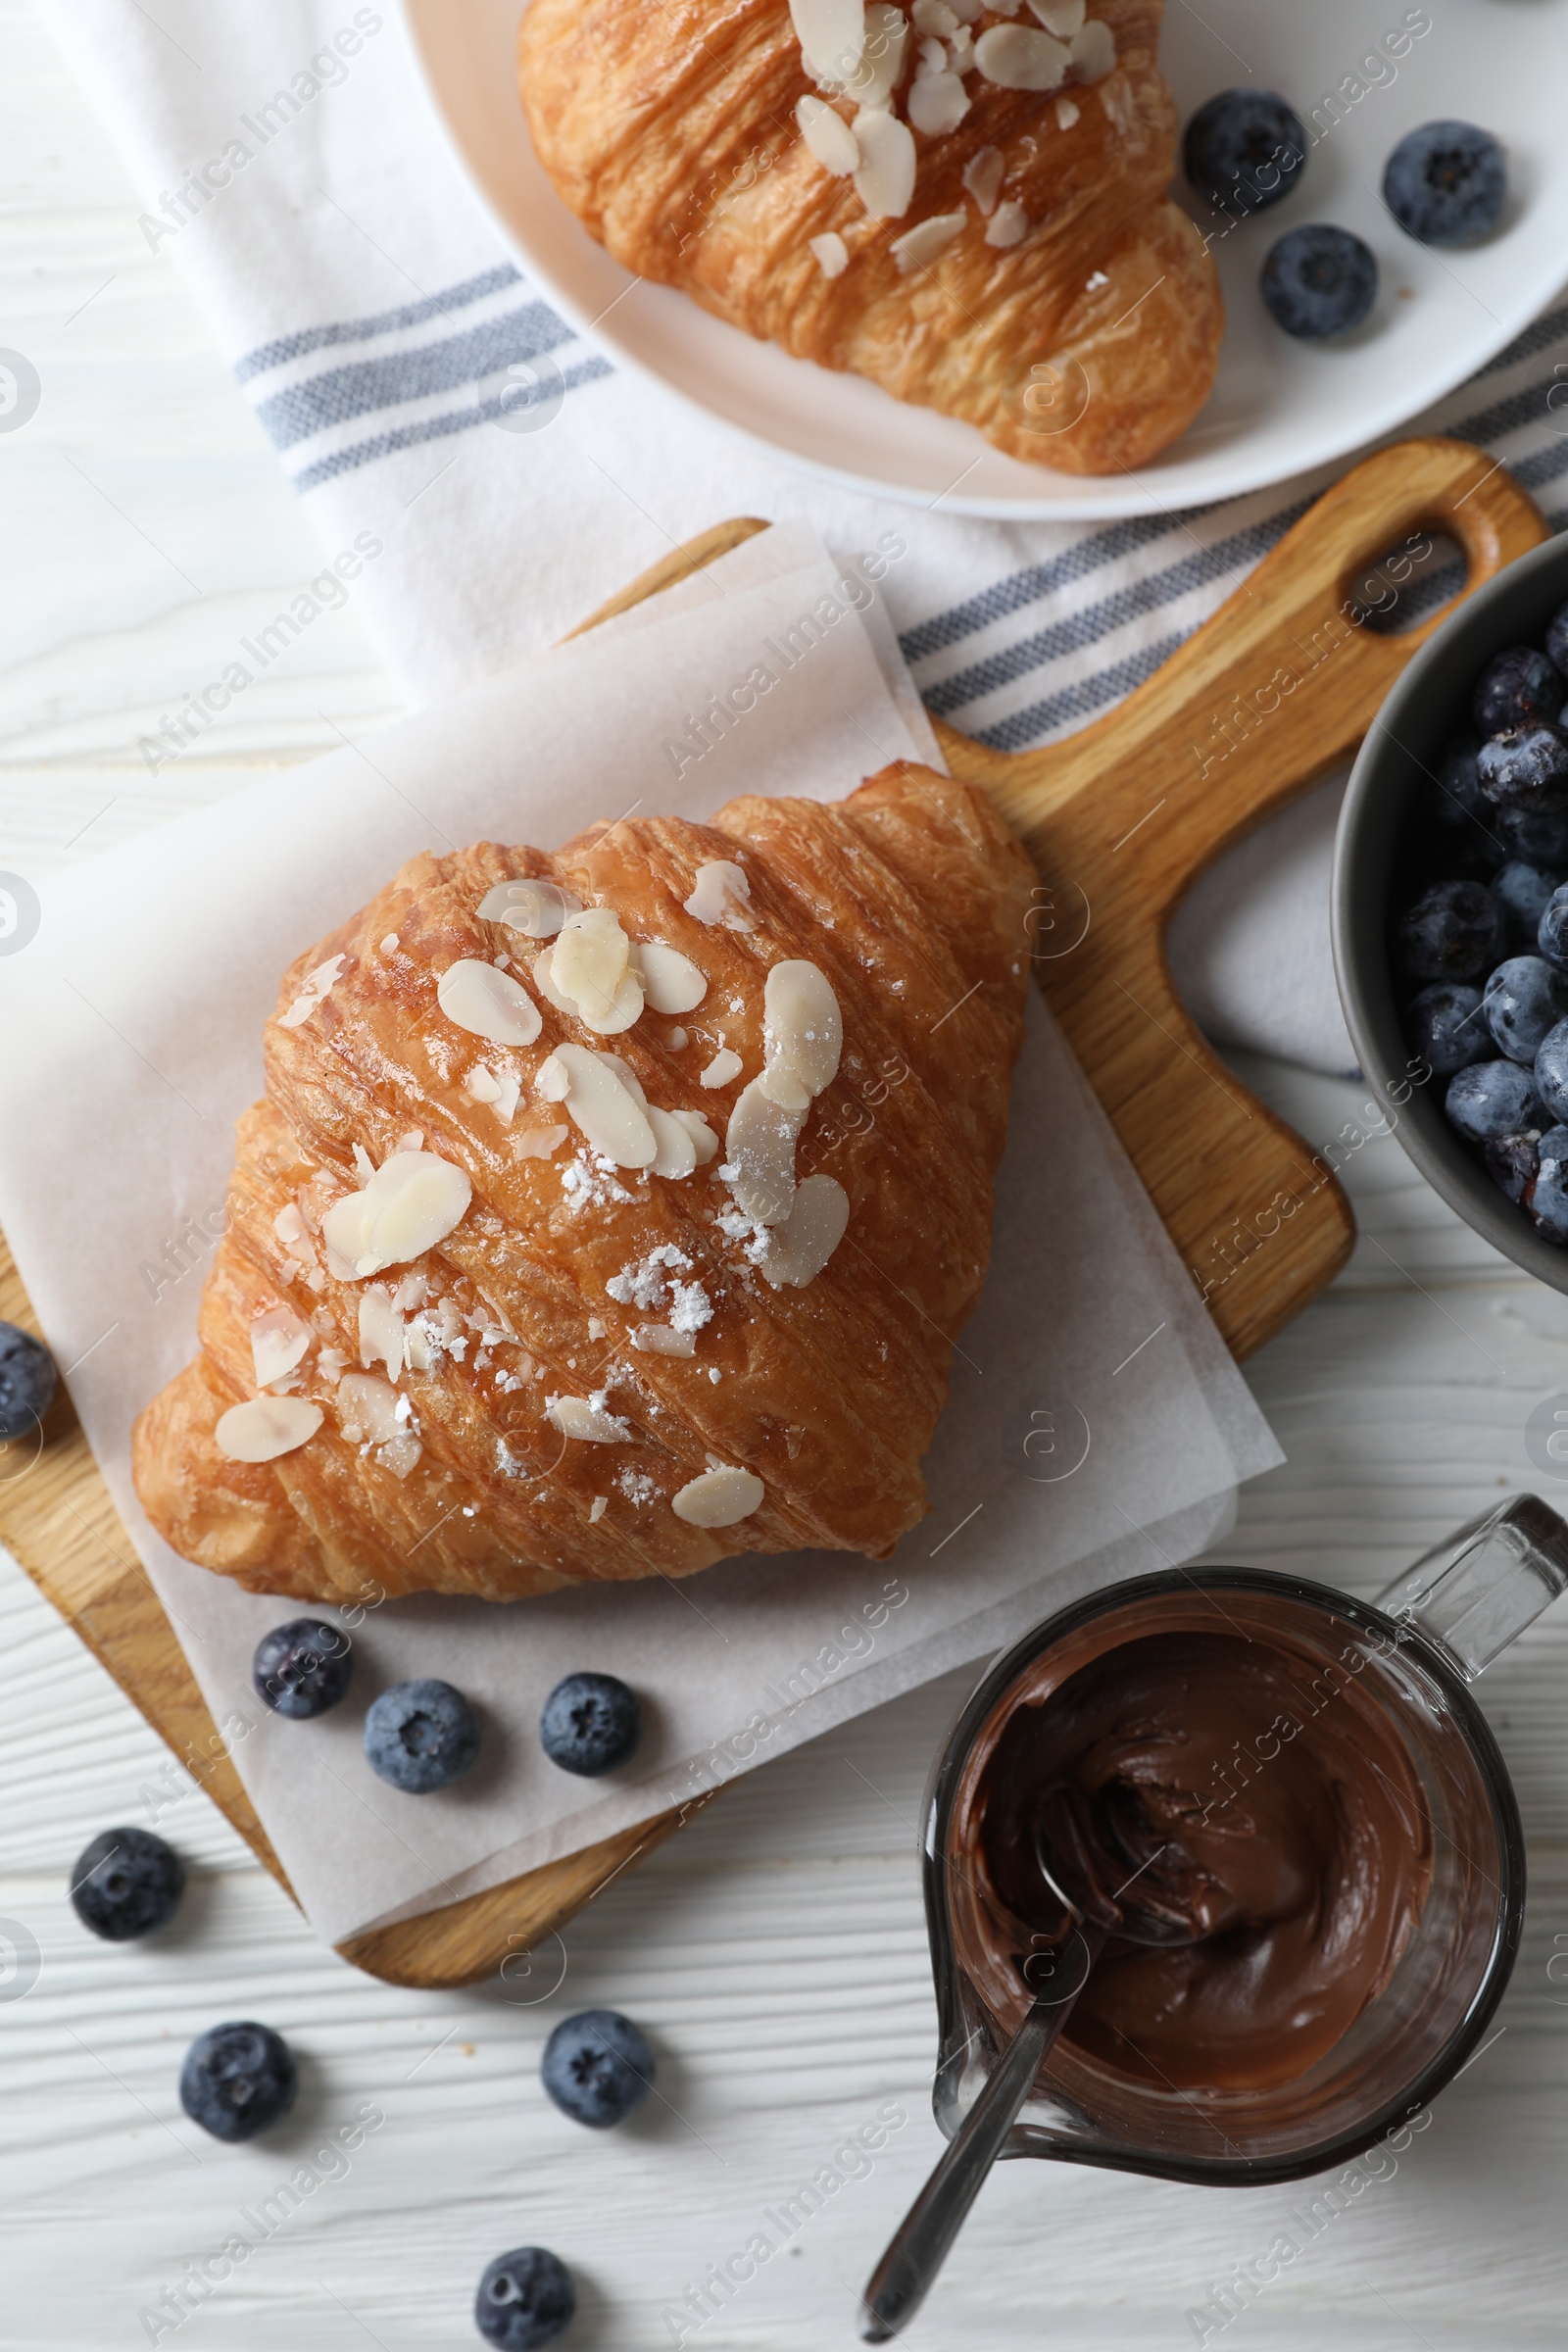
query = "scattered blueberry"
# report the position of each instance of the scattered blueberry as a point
(1497, 1097)
(26, 1380)
(597, 2067)
(1513, 1161)
(1552, 932)
(1545, 1198)
(589, 1724)
(1526, 769)
(237, 2079)
(1524, 997)
(1540, 838)
(1551, 1075)
(127, 1884)
(1453, 931)
(1518, 688)
(1524, 893)
(1319, 281)
(525, 2298)
(1445, 184)
(303, 1668)
(1459, 794)
(421, 1736)
(1244, 149)
(1558, 640)
(1445, 1027)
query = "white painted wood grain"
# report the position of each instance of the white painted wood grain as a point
(775, 1952)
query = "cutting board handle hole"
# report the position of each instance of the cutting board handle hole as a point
(1424, 570)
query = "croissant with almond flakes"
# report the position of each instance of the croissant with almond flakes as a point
(611, 1212)
(965, 203)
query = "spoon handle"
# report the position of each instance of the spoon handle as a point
(920, 2244)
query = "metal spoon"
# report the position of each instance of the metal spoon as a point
(920, 2244)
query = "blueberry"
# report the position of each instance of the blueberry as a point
(302, 1668)
(1545, 1200)
(525, 2298)
(1558, 640)
(1524, 893)
(26, 1380)
(1453, 931)
(1519, 688)
(1551, 1075)
(421, 1736)
(127, 1884)
(1445, 184)
(1319, 281)
(1541, 837)
(1445, 1026)
(1552, 932)
(1495, 1098)
(237, 2079)
(589, 1724)
(1526, 769)
(1244, 149)
(1524, 997)
(1513, 1161)
(1456, 793)
(597, 2067)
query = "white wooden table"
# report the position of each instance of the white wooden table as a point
(775, 1952)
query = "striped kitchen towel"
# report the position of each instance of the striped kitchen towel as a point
(291, 168)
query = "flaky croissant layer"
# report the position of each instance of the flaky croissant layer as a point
(528, 1281)
(1022, 270)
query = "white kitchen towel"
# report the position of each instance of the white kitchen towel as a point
(370, 313)
(1097, 1425)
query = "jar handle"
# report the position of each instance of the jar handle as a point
(1480, 1588)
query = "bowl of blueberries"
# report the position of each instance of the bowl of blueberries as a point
(1450, 910)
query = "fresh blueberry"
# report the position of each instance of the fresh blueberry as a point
(1552, 932)
(1453, 931)
(1513, 1161)
(1525, 767)
(1445, 184)
(421, 1736)
(1558, 640)
(127, 1884)
(1319, 281)
(237, 2079)
(589, 1724)
(1497, 1097)
(1523, 998)
(26, 1380)
(1518, 688)
(1545, 1200)
(1551, 1076)
(302, 1668)
(1457, 792)
(1524, 893)
(525, 2298)
(1244, 149)
(1445, 1027)
(1540, 838)
(597, 2067)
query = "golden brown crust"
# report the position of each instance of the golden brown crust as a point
(910, 897)
(1088, 347)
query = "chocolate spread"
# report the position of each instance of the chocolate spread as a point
(1260, 1802)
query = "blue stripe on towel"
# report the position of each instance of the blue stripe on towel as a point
(300, 410)
(429, 429)
(384, 322)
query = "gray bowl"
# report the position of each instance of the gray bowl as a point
(1429, 704)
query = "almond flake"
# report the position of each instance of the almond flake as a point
(410, 1204)
(919, 247)
(1068, 113)
(831, 252)
(759, 1154)
(933, 59)
(670, 981)
(885, 181)
(719, 1498)
(369, 1409)
(677, 1152)
(721, 894)
(797, 1249)
(982, 177)
(589, 965)
(600, 1505)
(724, 1066)
(933, 15)
(278, 1342)
(488, 1003)
(828, 137)
(803, 1028)
(1063, 18)
(1017, 58)
(389, 945)
(877, 76)
(535, 908)
(657, 1338)
(382, 1333)
(539, 1143)
(704, 1141)
(601, 1105)
(938, 104)
(831, 34)
(586, 1419)
(1010, 225)
(265, 1427)
(1093, 51)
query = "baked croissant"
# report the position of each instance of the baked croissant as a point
(1011, 259)
(494, 1312)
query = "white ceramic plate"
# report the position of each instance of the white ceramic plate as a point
(1279, 407)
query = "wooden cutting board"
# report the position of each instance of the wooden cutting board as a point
(1277, 687)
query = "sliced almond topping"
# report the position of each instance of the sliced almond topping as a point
(803, 1028)
(288, 1224)
(832, 254)
(601, 1105)
(1010, 225)
(876, 76)
(831, 34)
(982, 177)
(933, 15)
(411, 1202)
(625, 1073)
(535, 908)
(966, 11)
(1068, 113)
(316, 986)
(382, 1331)
(938, 102)
(919, 247)
(1017, 58)
(369, 1409)
(589, 965)
(759, 1154)
(278, 1342)
(265, 1427)
(578, 1417)
(885, 181)
(401, 1454)
(718, 1497)
(670, 981)
(677, 1150)
(961, 51)
(933, 59)
(798, 1248)
(721, 894)
(831, 141)
(657, 1338)
(539, 1143)
(1063, 18)
(488, 1003)
(1093, 51)
(724, 1066)
(704, 1140)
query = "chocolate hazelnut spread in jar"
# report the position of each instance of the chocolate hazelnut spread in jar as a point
(1302, 1787)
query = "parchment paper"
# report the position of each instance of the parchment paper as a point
(1097, 1425)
